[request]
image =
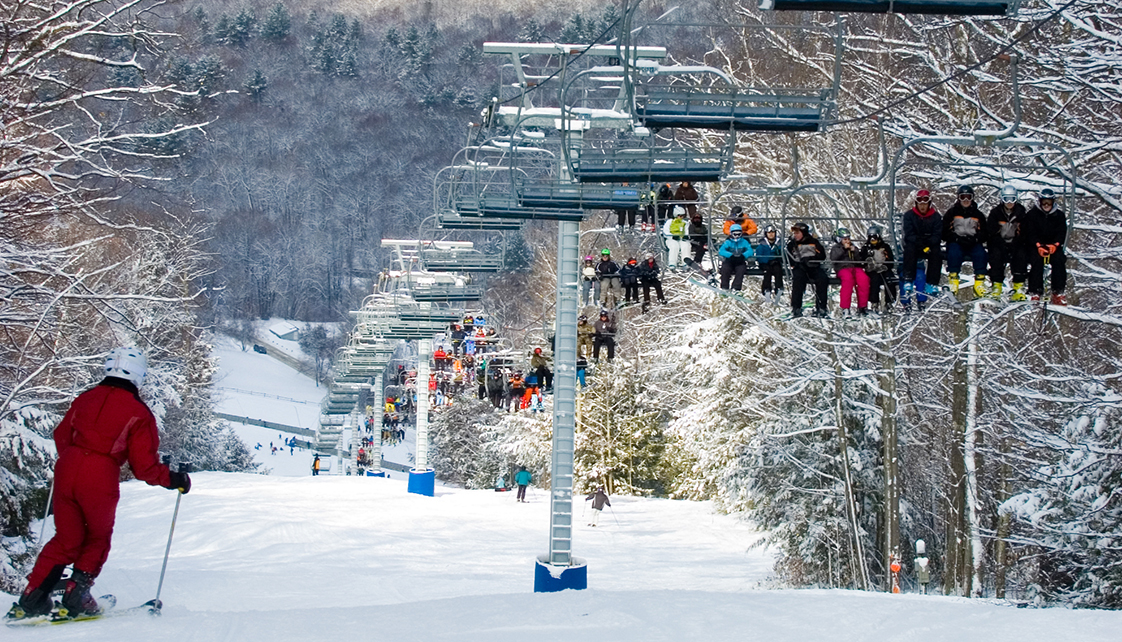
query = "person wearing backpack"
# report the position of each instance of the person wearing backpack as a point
(677, 239)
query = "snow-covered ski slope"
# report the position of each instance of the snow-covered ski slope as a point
(284, 559)
(295, 558)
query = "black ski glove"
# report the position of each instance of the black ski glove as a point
(180, 482)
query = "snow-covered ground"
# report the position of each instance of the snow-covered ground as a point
(294, 558)
(358, 558)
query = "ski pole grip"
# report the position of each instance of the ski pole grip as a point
(166, 459)
(184, 467)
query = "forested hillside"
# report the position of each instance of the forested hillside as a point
(327, 130)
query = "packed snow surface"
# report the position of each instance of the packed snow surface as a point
(358, 558)
(293, 558)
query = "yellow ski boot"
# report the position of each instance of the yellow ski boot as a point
(979, 287)
(952, 278)
(1018, 293)
(995, 293)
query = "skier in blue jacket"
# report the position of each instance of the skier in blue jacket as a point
(769, 256)
(523, 479)
(736, 250)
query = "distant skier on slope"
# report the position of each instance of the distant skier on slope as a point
(523, 479)
(599, 500)
(104, 427)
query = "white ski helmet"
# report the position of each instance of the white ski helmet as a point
(127, 363)
(1008, 194)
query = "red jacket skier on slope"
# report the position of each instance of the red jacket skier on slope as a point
(105, 427)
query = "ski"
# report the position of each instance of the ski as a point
(108, 605)
(713, 288)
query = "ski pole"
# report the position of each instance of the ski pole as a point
(156, 604)
(614, 515)
(46, 512)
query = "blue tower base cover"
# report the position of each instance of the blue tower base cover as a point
(371, 473)
(422, 481)
(550, 579)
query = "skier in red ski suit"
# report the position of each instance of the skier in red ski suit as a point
(105, 427)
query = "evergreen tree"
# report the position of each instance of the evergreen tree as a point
(256, 85)
(469, 56)
(619, 438)
(1074, 509)
(532, 31)
(575, 31)
(277, 24)
(243, 28)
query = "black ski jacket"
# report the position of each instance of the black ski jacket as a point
(964, 225)
(922, 231)
(878, 258)
(1007, 226)
(1046, 228)
(629, 274)
(607, 269)
(649, 271)
(807, 253)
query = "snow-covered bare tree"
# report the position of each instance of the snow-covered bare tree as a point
(86, 115)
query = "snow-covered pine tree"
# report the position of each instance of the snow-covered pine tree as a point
(619, 435)
(1073, 511)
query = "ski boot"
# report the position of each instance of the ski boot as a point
(32, 603)
(952, 278)
(979, 287)
(77, 600)
(995, 293)
(1058, 298)
(932, 289)
(906, 296)
(1018, 293)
